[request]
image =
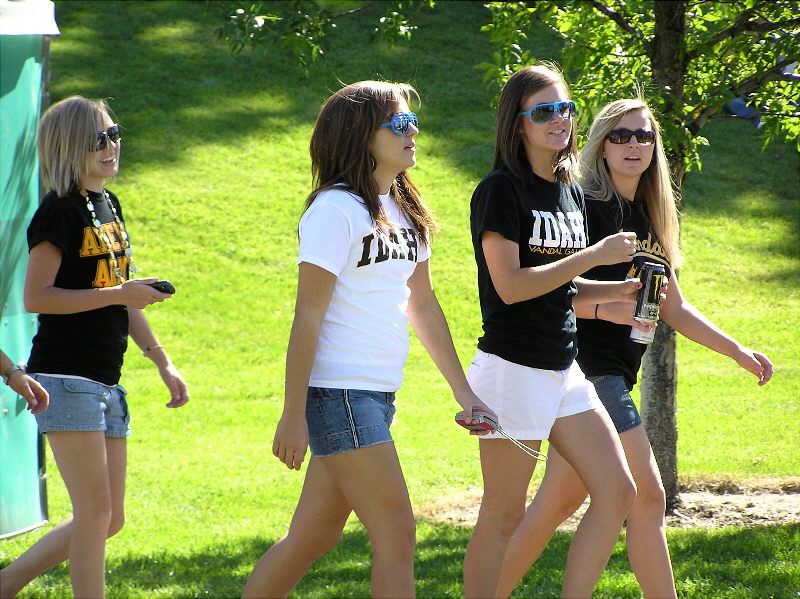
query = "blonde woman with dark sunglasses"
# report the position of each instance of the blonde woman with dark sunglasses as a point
(626, 178)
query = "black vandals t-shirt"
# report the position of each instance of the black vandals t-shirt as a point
(546, 221)
(606, 347)
(88, 344)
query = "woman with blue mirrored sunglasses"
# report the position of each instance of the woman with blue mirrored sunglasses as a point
(544, 113)
(400, 122)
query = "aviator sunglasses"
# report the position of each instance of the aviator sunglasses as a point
(623, 136)
(111, 133)
(400, 122)
(544, 113)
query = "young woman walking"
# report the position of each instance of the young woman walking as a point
(530, 245)
(363, 275)
(626, 178)
(78, 282)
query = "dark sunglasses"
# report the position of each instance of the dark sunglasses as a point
(544, 113)
(400, 122)
(111, 133)
(623, 136)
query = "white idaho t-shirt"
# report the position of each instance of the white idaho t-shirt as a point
(363, 342)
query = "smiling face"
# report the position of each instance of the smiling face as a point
(103, 164)
(543, 141)
(393, 153)
(627, 161)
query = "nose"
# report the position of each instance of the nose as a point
(412, 129)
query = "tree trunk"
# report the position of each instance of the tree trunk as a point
(659, 368)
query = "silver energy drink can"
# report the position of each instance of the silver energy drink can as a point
(648, 300)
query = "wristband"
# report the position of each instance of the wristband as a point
(7, 374)
(150, 348)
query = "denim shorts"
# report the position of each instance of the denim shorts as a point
(83, 405)
(342, 420)
(616, 397)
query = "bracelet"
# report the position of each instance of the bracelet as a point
(14, 368)
(150, 348)
(596, 306)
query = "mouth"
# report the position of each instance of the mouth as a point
(109, 161)
(633, 158)
(411, 147)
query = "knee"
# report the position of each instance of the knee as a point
(96, 513)
(651, 497)
(399, 539)
(503, 519)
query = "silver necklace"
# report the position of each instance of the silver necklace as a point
(103, 235)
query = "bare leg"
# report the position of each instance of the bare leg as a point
(53, 548)
(316, 528)
(506, 474)
(590, 444)
(559, 495)
(647, 540)
(368, 481)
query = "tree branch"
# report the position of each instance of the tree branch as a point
(619, 20)
(574, 42)
(743, 88)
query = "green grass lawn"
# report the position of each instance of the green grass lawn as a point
(214, 172)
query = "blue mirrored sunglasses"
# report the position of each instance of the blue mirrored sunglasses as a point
(544, 113)
(400, 122)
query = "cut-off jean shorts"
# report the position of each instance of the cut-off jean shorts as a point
(616, 397)
(84, 405)
(341, 420)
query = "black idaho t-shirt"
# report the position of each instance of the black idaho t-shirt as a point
(546, 220)
(606, 347)
(90, 344)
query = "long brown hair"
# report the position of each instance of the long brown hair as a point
(656, 190)
(509, 149)
(340, 156)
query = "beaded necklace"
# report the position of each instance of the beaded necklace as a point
(104, 236)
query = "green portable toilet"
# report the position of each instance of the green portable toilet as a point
(24, 25)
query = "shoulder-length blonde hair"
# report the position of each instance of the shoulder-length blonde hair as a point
(67, 132)
(656, 190)
(340, 153)
(509, 149)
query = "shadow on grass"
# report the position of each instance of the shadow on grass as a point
(723, 563)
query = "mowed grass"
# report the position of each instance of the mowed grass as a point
(214, 171)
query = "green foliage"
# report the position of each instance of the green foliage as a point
(300, 27)
(730, 49)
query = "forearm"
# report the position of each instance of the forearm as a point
(5, 362)
(430, 326)
(300, 354)
(692, 324)
(535, 281)
(56, 300)
(144, 337)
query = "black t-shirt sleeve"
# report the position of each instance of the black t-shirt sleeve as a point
(496, 209)
(51, 223)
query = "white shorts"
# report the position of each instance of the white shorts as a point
(527, 400)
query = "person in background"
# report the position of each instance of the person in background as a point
(78, 280)
(626, 178)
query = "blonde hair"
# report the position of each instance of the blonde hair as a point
(340, 150)
(509, 149)
(67, 132)
(656, 190)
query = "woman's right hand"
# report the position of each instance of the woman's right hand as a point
(291, 440)
(137, 293)
(616, 248)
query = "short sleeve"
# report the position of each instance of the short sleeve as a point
(495, 207)
(50, 223)
(325, 236)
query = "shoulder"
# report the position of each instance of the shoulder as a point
(341, 199)
(497, 182)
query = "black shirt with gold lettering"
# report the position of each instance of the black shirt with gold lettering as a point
(90, 344)
(605, 348)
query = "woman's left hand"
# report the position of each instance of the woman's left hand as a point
(178, 389)
(470, 403)
(755, 362)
